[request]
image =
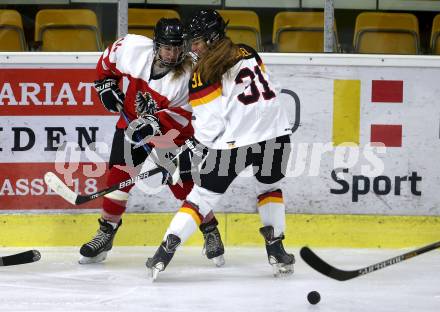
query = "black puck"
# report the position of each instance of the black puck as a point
(313, 297)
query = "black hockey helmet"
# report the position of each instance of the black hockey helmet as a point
(169, 32)
(207, 24)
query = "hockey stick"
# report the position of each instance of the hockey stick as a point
(59, 187)
(21, 258)
(341, 275)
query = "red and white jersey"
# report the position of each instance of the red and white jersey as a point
(240, 110)
(132, 57)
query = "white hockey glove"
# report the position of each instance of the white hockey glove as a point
(145, 104)
(140, 130)
(199, 152)
(170, 163)
(196, 148)
(110, 94)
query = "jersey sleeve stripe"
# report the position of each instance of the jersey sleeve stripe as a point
(194, 95)
(178, 118)
(206, 99)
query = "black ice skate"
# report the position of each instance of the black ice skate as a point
(281, 261)
(96, 250)
(163, 255)
(213, 246)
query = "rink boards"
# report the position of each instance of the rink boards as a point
(147, 229)
(339, 178)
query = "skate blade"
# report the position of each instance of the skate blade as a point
(219, 261)
(282, 270)
(88, 260)
(153, 271)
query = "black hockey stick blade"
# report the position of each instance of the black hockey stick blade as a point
(323, 267)
(59, 187)
(21, 258)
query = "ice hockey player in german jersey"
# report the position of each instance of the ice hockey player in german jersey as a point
(240, 120)
(156, 102)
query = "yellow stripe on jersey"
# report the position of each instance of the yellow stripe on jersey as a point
(207, 98)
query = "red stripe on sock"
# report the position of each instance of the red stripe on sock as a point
(276, 193)
(193, 207)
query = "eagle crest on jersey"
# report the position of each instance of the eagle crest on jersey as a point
(145, 104)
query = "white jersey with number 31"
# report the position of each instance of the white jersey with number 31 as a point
(244, 108)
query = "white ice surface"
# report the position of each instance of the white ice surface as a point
(191, 283)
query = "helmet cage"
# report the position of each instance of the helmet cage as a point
(177, 53)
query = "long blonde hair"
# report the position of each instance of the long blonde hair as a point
(217, 60)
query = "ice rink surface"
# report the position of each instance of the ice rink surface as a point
(191, 283)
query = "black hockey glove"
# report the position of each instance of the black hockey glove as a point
(110, 94)
(145, 104)
(142, 129)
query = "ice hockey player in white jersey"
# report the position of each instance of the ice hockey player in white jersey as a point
(156, 98)
(240, 120)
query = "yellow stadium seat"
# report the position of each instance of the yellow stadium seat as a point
(300, 32)
(11, 31)
(386, 33)
(67, 30)
(435, 35)
(243, 27)
(142, 21)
